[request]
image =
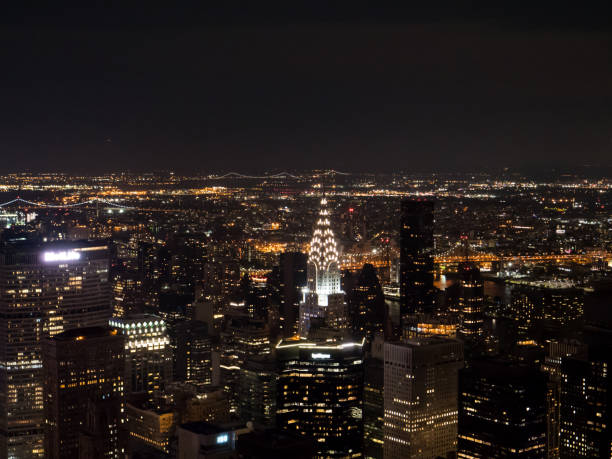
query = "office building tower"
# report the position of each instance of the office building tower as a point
(84, 400)
(241, 339)
(127, 293)
(502, 411)
(416, 257)
(257, 389)
(197, 361)
(46, 289)
(556, 351)
(470, 304)
(148, 357)
(421, 397)
(319, 393)
(323, 297)
(293, 266)
(586, 386)
(374, 400)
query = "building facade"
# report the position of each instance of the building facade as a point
(84, 372)
(257, 388)
(421, 397)
(319, 394)
(148, 356)
(502, 411)
(45, 289)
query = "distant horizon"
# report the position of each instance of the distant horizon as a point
(593, 169)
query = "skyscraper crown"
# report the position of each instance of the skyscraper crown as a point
(323, 252)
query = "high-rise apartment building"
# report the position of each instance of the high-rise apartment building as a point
(148, 357)
(323, 297)
(421, 397)
(84, 400)
(416, 256)
(45, 289)
(319, 393)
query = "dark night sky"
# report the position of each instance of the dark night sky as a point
(355, 88)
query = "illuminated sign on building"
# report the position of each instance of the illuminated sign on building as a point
(64, 255)
(223, 438)
(318, 355)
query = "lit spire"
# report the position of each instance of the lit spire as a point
(323, 248)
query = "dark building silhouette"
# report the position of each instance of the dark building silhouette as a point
(374, 400)
(416, 256)
(257, 389)
(292, 280)
(367, 305)
(470, 304)
(84, 371)
(502, 411)
(274, 444)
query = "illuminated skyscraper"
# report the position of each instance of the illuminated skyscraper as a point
(416, 256)
(148, 357)
(320, 390)
(323, 297)
(421, 397)
(84, 400)
(46, 289)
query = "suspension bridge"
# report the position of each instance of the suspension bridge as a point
(45, 205)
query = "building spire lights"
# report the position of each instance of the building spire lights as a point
(323, 252)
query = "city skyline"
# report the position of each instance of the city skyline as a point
(317, 231)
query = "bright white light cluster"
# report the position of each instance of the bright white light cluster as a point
(323, 248)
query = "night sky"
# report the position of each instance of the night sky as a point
(349, 87)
